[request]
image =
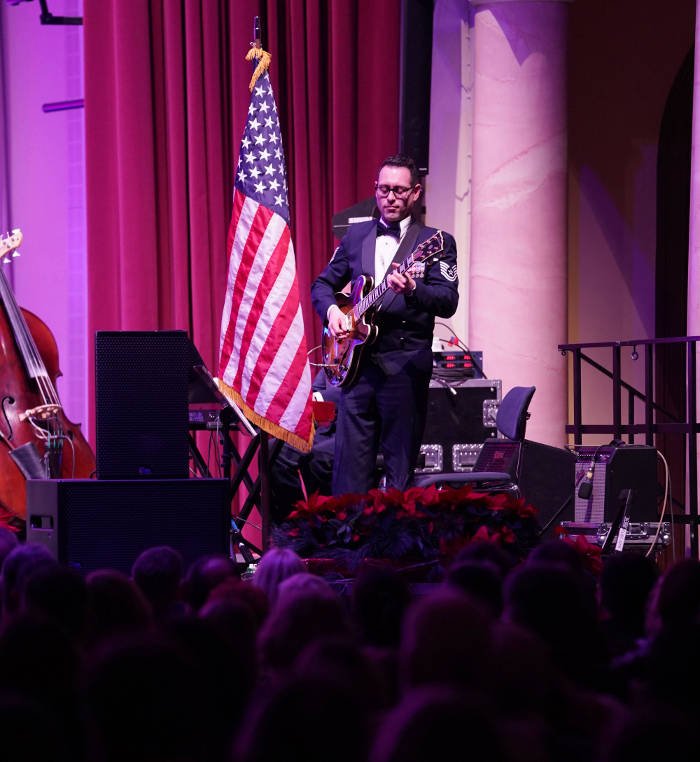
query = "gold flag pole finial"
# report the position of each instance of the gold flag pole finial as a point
(256, 52)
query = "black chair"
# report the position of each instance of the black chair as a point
(498, 466)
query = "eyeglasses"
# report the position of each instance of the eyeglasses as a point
(398, 190)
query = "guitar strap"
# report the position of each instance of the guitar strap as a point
(369, 245)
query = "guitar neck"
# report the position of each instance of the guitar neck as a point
(378, 291)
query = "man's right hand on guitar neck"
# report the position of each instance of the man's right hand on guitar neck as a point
(337, 322)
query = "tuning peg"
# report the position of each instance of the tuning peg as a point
(15, 254)
(6, 261)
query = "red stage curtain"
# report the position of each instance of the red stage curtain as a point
(166, 97)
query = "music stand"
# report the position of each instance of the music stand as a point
(203, 390)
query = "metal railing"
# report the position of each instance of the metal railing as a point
(651, 426)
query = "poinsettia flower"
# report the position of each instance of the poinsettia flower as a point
(589, 552)
(525, 510)
(507, 535)
(315, 503)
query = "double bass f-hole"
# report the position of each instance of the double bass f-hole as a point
(7, 400)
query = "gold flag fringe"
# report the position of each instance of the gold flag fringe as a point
(264, 59)
(263, 423)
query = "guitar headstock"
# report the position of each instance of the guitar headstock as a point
(430, 247)
(9, 243)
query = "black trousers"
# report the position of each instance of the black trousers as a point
(379, 412)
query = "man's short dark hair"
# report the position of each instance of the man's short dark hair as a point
(401, 160)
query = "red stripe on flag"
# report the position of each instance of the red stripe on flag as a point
(246, 260)
(280, 402)
(281, 326)
(266, 285)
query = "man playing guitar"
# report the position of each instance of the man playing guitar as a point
(384, 391)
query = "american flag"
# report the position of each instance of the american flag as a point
(263, 365)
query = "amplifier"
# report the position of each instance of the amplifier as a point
(640, 535)
(467, 363)
(614, 469)
(460, 418)
(204, 417)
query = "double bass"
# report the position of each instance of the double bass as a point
(36, 438)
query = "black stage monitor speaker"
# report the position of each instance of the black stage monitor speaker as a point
(546, 475)
(416, 65)
(542, 473)
(92, 524)
(141, 384)
(613, 469)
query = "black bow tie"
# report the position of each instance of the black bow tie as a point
(393, 229)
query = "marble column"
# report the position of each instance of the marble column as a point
(518, 267)
(693, 310)
(693, 320)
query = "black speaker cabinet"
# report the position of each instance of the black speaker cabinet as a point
(616, 469)
(546, 475)
(106, 524)
(141, 384)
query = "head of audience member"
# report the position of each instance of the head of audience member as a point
(433, 722)
(673, 668)
(558, 605)
(345, 663)
(273, 568)
(626, 583)
(8, 541)
(204, 574)
(115, 606)
(240, 592)
(558, 552)
(158, 574)
(308, 718)
(526, 684)
(481, 580)
(304, 583)
(379, 599)
(479, 551)
(445, 639)
(225, 665)
(19, 563)
(297, 620)
(40, 663)
(57, 592)
(675, 600)
(144, 700)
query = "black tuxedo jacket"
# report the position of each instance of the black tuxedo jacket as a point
(405, 323)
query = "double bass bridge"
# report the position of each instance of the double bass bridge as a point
(40, 413)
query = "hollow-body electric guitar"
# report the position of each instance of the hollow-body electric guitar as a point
(342, 355)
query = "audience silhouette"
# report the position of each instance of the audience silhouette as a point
(535, 661)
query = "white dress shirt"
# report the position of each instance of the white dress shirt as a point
(385, 251)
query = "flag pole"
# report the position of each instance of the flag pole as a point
(263, 450)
